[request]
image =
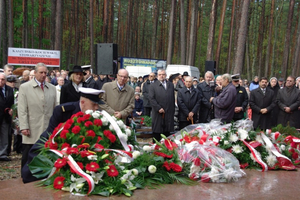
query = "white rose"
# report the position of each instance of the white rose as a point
(128, 132)
(136, 154)
(89, 112)
(282, 147)
(123, 137)
(135, 172)
(147, 148)
(243, 134)
(226, 142)
(104, 121)
(120, 123)
(111, 127)
(152, 169)
(92, 157)
(96, 115)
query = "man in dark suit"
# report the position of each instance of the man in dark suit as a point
(188, 101)
(207, 90)
(146, 86)
(241, 98)
(89, 100)
(288, 100)
(6, 102)
(262, 101)
(89, 79)
(162, 100)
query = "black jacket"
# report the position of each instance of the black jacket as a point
(91, 83)
(100, 82)
(188, 102)
(61, 114)
(69, 94)
(146, 93)
(258, 101)
(6, 103)
(206, 92)
(241, 101)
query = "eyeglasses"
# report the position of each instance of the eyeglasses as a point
(236, 81)
(125, 77)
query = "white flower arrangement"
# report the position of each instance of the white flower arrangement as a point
(152, 169)
(237, 148)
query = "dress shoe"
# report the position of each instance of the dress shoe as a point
(5, 159)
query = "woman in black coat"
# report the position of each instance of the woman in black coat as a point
(69, 91)
(273, 85)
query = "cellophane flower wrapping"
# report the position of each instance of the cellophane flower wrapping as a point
(254, 149)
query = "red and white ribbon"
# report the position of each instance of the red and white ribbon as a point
(285, 162)
(117, 129)
(256, 156)
(72, 163)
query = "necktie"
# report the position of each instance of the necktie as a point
(42, 86)
(264, 91)
(121, 87)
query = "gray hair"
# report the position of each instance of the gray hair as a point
(39, 65)
(189, 78)
(273, 78)
(26, 72)
(227, 76)
(209, 72)
(7, 66)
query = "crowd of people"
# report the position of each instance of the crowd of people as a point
(179, 98)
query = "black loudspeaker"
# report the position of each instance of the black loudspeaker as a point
(210, 65)
(105, 55)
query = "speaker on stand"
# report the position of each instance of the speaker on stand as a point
(106, 58)
(210, 65)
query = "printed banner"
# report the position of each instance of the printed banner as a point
(30, 57)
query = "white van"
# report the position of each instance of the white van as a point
(173, 69)
(137, 71)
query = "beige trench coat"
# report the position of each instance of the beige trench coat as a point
(35, 108)
(116, 100)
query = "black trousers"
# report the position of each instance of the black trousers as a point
(183, 124)
(147, 111)
(25, 152)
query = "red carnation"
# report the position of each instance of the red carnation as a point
(79, 164)
(79, 114)
(67, 126)
(166, 165)
(92, 167)
(60, 163)
(65, 145)
(76, 129)
(58, 182)
(83, 138)
(243, 166)
(98, 122)
(98, 146)
(107, 161)
(63, 134)
(99, 139)
(80, 119)
(47, 143)
(53, 146)
(112, 171)
(87, 116)
(91, 133)
(110, 136)
(193, 176)
(88, 123)
(72, 150)
(175, 167)
(70, 121)
(197, 161)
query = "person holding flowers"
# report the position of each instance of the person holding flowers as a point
(89, 100)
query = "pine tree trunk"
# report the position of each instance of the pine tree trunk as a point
(10, 24)
(230, 36)
(240, 53)
(287, 40)
(220, 35)
(105, 21)
(92, 34)
(58, 27)
(211, 31)
(171, 31)
(193, 33)
(182, 34)
(25, 25)
(154, 28)
(53, 13)
(261, 39)
(297, 51)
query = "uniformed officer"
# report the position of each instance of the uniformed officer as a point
(241, 98)
(89, 100)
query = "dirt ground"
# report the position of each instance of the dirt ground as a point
(11, 169)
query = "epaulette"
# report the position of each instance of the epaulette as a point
(67, 108)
